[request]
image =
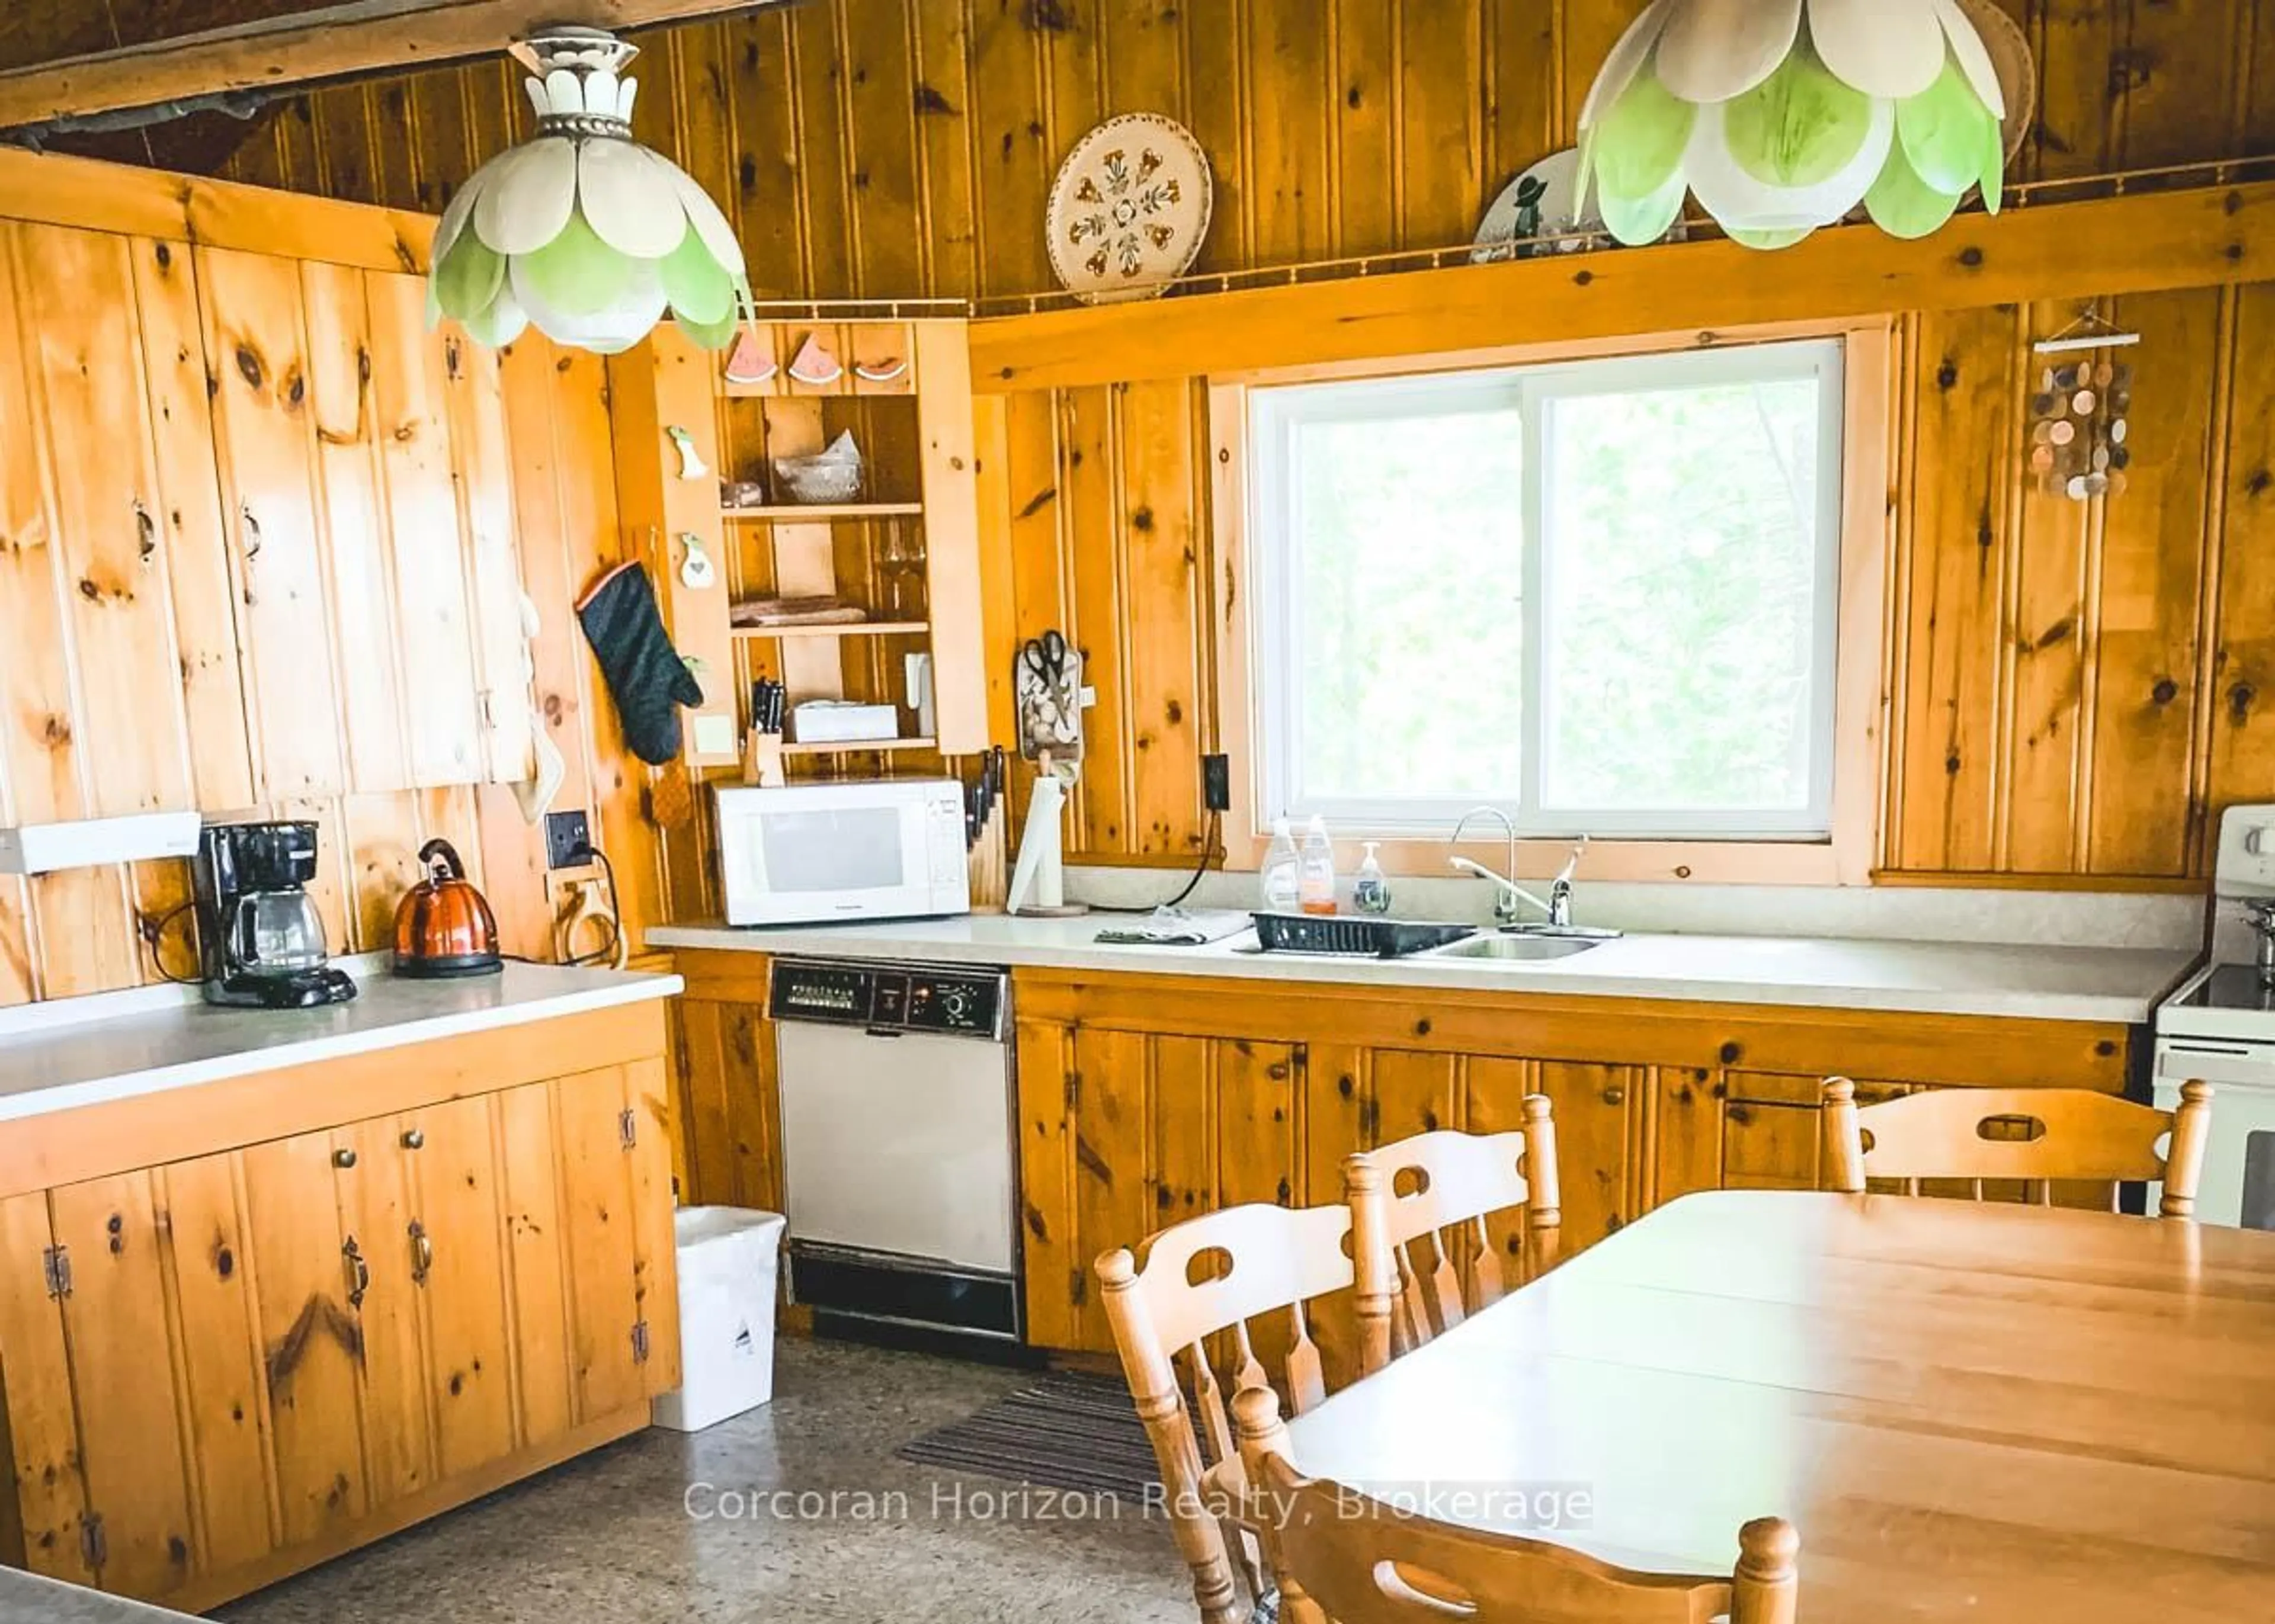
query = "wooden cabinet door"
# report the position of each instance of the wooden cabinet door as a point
(42, 1520)
(482, 460)
(123, 1371)
(359, 534)
(1597, 1110)
(410, 396)
(458, 1265)
(1257, 1086)
(608, 1340)
(730, 1104)
(307, 1290)
(529, 1194)
(202, 1219)
(655, 1231)
(1049, 1247)
(256, 345)
(374, 1182)
(77, 291)
(1687, 1140)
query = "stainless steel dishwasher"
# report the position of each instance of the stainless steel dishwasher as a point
(899, 1151)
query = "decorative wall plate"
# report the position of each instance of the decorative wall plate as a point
(2017, 69)
(1543, 201)
(1128, 209)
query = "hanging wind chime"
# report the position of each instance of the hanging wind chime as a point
(581, 232)
(2081, 402)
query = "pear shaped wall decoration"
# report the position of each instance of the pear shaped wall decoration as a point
(581, 232)
(1783, 116)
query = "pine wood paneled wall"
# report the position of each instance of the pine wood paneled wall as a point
(2072, 690)
(892, 147)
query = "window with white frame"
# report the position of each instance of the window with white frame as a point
(1600, 595)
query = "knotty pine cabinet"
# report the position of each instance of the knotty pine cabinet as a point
(1144, 1099)
(365, 486)
(256, 532)
(221, 1368)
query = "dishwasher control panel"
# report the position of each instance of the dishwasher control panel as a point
(951, 1002)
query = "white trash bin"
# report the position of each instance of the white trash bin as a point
(727, 1278)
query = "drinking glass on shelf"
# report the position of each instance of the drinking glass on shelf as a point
(901, 557)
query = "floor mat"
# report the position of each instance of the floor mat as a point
(1067, 1430)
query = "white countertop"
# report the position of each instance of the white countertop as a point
(85, 1051)
(2064, 984)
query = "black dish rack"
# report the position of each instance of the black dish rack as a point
(1351, 936)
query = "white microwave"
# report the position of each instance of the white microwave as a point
(807, 854)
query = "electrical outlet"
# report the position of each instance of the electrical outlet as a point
(568, 835)
(1216, 782)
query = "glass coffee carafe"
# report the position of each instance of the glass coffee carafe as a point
(277, 933)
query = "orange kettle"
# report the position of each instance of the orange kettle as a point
(442, 926)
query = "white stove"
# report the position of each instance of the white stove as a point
(2220, 1028)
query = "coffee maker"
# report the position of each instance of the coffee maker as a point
(260, 940)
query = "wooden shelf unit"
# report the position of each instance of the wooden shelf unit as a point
(856, 747)
(822, 513)
(842, 628)
(905, 395)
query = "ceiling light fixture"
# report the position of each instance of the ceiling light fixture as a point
(1782, 116)
(582, 232)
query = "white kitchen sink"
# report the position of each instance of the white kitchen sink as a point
(1519, 949)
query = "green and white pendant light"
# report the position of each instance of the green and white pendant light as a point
(1782, 116)
(581, 232)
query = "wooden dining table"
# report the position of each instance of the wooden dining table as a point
(1986, 1412)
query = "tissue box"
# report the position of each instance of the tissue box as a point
(844, 721)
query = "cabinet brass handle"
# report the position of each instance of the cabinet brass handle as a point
(251, 534)
(343, 1159)
(358, 1273)
(146, 530)
(414, 1139)
(1615, 1096)
(422, 1253)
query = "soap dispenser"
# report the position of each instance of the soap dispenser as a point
(1316, 875)
(1280, 887)
(1371, 891)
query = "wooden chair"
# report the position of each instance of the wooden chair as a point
(2035, 1135)
(1341, 1556)
(1208, 1279)
(1412, 1283)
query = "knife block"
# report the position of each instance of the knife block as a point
(762, 760)
(991, 862)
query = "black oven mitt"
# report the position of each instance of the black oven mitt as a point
(645, 676)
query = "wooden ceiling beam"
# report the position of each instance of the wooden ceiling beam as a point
(334, 41)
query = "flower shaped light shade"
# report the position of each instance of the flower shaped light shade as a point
(1782, 116)
(581, 230)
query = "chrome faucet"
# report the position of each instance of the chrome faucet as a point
(2263, 922)
(1508, 895)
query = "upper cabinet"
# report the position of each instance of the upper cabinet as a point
(108, 539)
(362, 471)
(256, 342)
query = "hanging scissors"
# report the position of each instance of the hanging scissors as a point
(1046, 657)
